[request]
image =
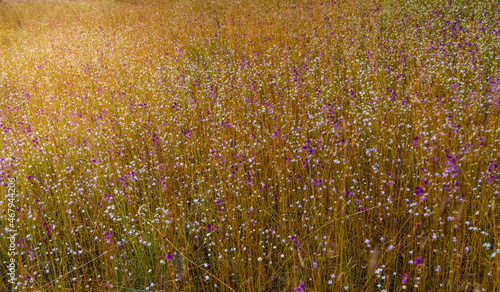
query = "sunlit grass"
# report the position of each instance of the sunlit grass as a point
(251, 145)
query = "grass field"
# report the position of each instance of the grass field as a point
(250, 145)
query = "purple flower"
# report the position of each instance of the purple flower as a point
(495, 84)
(492, 171)
(168, 257)
(210, 229)
(415, 139)
(419, 190)
(419, 261)
(300, 287)
(294, 239)
(47, 227)
(405, 278)
(187, 134)
(452, 168)
(107, 236)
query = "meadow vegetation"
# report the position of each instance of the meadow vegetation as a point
(251, 145)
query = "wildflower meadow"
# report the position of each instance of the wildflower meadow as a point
(250, 145)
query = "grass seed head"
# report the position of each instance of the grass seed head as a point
(461, 214)
(374, 259)
(444, 208)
